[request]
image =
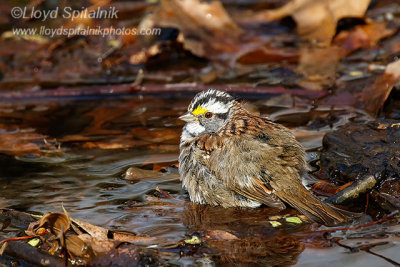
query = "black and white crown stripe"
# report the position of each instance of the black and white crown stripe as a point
(214, 100)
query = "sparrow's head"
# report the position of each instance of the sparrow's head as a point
(208, 112)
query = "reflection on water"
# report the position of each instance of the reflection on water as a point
(75, 154)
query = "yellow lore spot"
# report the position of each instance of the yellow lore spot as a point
(199, 110)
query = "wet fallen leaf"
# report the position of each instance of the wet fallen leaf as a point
(137, 174)
(132, 238)
(373, 97)
(3, 248)
(207, 28)
(20, 142)
(93, 230)
(56, 222)
(34, 242)
(193, 241)
(316, 20)
(275, 223)
(296, 220)
(362, 36)
(220, 235)
(319, 65)
(265, 54)
(75, 245)
(98, 246)
(324, 188)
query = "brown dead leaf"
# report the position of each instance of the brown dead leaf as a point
(206, 27)
(93, 230)
(3, 248)
(132, 238)
(56, 222)
(20, 142)
(75, 245)
(98, 234)
(220, 235)
(327, 189)
(362, 36)
(317, 19)
(98, 246)
(319, 65)
(137, 174)
(265, 54)
(373, 97)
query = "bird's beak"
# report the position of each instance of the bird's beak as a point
(188, 117)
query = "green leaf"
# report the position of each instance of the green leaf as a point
(294, 220)
(193, 241)
(34, 242)
(275, 223)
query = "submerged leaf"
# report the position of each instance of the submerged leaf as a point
(193, 241)
(220, 235)
(3, 248)
(275, 223)
(34, 242)
(296, 220)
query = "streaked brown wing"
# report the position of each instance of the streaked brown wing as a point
(260, 194)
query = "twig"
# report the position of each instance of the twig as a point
(363, 225)
(368, 250)
(366, 204)
(17, 238)
(168, 196)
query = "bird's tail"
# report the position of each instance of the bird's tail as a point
(315, 209)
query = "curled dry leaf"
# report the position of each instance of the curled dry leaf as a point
(56, 222)
(317, 19)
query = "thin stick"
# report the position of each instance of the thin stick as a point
(17, 238)
(366, 204)
(363, 225)
(168, 196)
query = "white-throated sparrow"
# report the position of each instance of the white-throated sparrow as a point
(232, 158)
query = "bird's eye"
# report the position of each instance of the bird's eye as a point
(208, 115)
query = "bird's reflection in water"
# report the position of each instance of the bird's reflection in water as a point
(257, 242)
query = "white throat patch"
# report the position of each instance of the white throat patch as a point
(190, 130)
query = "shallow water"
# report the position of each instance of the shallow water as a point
(75, 152)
